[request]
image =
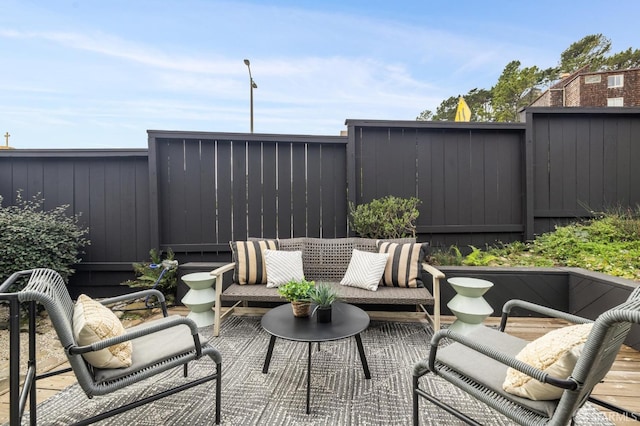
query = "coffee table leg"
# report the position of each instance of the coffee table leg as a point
(308, 378)
(363, 358)
(267, 360)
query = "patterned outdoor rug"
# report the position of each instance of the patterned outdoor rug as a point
(340, 395)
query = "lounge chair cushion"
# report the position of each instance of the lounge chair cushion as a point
(249, 259)
(93, 322)
(282, 267)
(555, 353)
(404, 265)
(365, 270)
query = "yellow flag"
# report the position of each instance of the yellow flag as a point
(463, 113)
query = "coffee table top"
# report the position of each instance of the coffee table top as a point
(346, 321)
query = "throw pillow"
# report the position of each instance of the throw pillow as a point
(365, 270)
(249, 259)
(282, 267)
(404, 266)
(555, 353)
(93, 322)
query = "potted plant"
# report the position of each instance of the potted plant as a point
(298, 293)
(323, 296)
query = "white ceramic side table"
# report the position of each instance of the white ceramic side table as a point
(200, 298)
(468, 305)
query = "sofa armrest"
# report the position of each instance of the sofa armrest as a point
(219, 274)
(436, 276)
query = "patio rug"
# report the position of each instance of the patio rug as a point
(340, 395)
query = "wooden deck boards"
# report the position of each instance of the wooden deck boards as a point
(621, 386)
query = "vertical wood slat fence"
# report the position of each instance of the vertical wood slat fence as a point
(479, 183)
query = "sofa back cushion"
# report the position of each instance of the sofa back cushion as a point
(327, 259)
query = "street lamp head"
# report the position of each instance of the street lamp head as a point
(246, 62)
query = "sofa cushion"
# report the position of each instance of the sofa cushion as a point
(93, 322)
(404, 265)
(249, 259)
(555, 353)
(283, 266)
(365, 270)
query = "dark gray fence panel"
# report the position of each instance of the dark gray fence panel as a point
(469, 177)
(583, 162)
(108, 188)
(214, 188)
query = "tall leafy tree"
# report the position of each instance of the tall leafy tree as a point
(590, 50)
(623, 60)
(516, 88)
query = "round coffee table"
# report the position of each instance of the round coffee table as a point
(346, 321)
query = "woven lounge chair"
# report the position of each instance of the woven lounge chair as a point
(478, 363)
(157, 346)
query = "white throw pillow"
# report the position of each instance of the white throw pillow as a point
(93, 322)
(282, 267)
(365, 270)
(555, 353)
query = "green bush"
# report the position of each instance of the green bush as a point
(31, 237)
(609, 243)
(387, 217)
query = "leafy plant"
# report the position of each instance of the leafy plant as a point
(608, 243)
(323, 295)
(478, 257)
(450, 256)
(148, 273)
(387, 217)
(297, 290)
(32, 237)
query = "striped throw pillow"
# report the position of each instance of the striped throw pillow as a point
(249, 259)
(404, 265)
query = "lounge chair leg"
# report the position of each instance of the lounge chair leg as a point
(218, 391)
(416, 421)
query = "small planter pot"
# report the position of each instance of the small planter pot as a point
(324, 314)
(301, 309)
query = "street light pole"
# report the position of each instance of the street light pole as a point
(252, 85)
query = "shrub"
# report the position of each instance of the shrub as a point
(31, 237)
(387, 217)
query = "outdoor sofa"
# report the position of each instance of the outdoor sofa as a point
(326, 261)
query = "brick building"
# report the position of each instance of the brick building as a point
(594, 89)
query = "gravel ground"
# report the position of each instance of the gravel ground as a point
(49, 351)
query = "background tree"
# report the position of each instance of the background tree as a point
(591, 50)
(623, 60)
(516, 88)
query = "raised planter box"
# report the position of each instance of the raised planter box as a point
(573, 290)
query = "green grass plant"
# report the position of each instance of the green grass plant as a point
(608, 243)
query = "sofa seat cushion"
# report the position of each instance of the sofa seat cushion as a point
(383, 296)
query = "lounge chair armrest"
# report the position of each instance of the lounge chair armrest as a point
(142, 330)
(135, 295)
(138, 295)
(543, 310)
(501, 357)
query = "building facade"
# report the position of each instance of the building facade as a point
(614, 88)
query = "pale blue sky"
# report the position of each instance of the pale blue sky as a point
(99, 73)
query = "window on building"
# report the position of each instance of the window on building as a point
(591, 79)
(615, 102)
(615, 80)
